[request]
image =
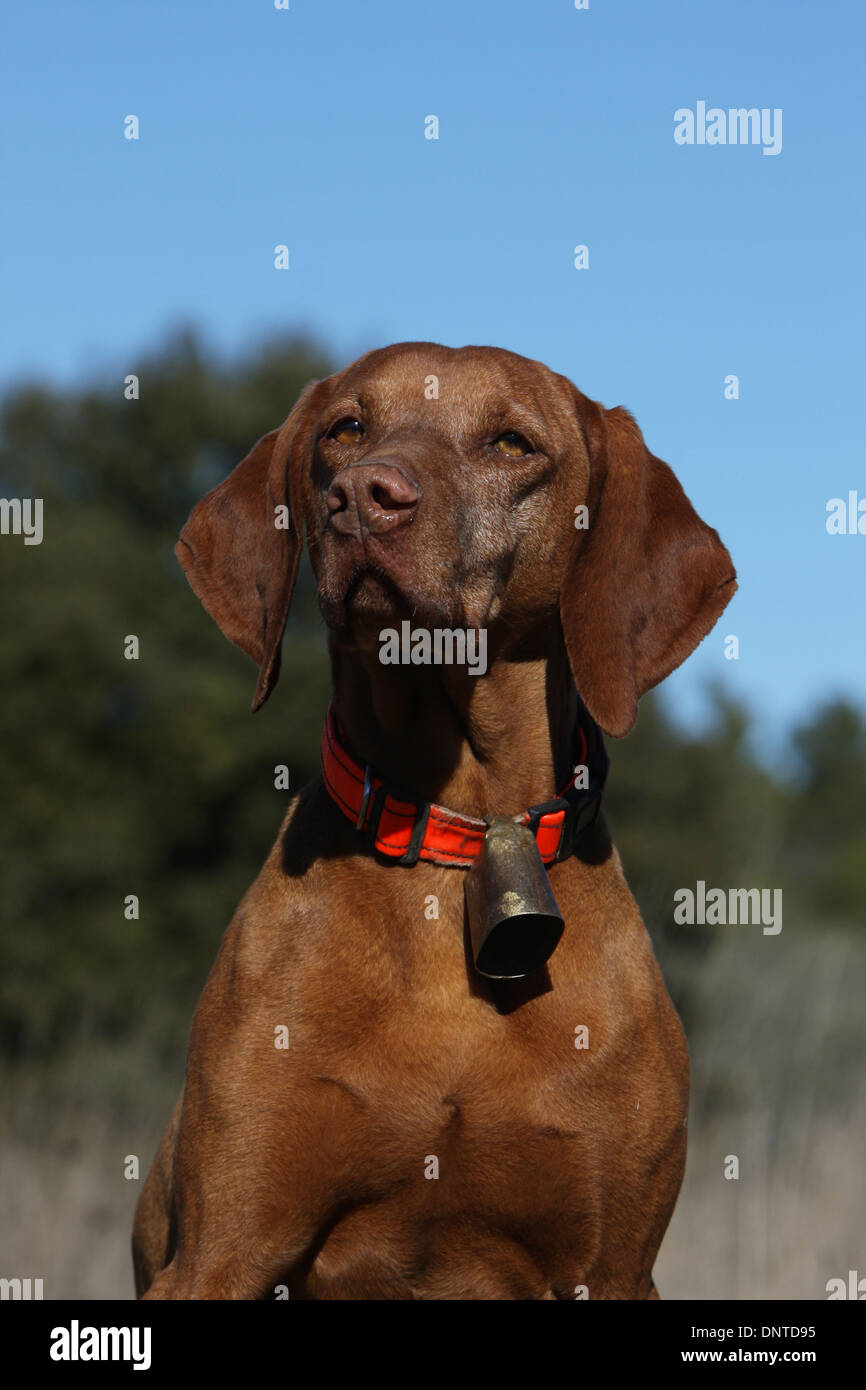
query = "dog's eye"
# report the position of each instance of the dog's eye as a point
(513, 445)
(346, 431)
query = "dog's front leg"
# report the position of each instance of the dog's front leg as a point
(245, 1221)
(252, 1180)
(204, 1278)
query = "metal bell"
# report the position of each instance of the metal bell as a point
(514, 921)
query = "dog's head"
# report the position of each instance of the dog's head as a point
(464, 488)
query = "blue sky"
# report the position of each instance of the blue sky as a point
(306, 127)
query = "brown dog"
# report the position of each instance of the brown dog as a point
(428, 1133)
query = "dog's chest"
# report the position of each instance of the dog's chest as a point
(484, 1181)
(481, 1147)
(488, 1151)
(441, 1078)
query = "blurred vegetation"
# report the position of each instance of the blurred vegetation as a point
(152, 778)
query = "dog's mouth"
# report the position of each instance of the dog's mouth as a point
(364, 602)
(370, 587)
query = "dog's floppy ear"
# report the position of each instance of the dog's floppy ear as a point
(241, 547)
(645, 581)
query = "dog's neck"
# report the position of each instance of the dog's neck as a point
(485, 745)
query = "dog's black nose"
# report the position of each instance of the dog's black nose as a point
(376, 497)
